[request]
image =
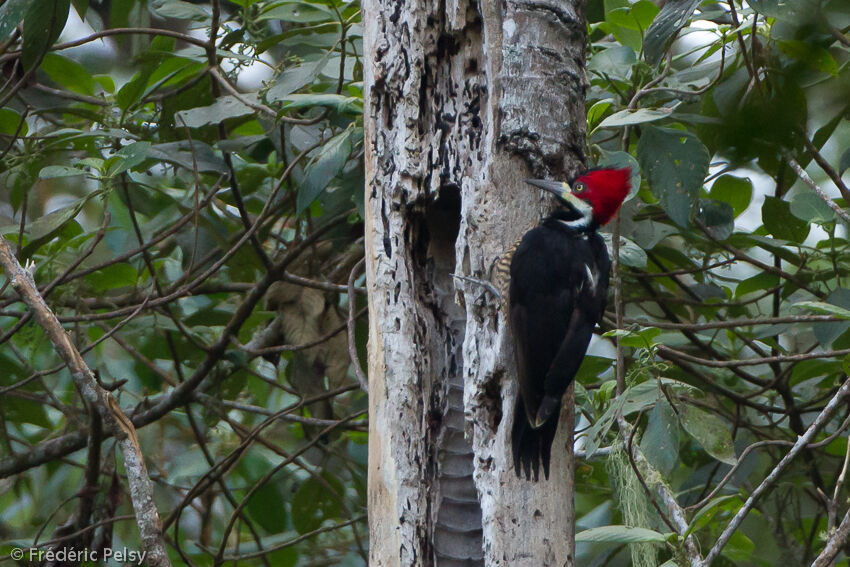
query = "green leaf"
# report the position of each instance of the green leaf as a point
(340, 103)
(615, 62)
(189, 155)
(325, 166)
(811, 208)
(621, 534)
(635, 338)
(757, 283)
(718, 218)
(639, 116)
(43, 23)
(591, 367)
(223, 108)
(314, 503)
(53, 171)
(709, 431)
(127, 158)
(11, 14)
(706, 513)
(299, 12)
(812, 55)
(675, 164)
(737, 191)
(68, 73)
(178, 9)
(660, 441)
(837, 304)
(267, 508)
(295, 78)
(10, 121)
(22, 410)
(779, 222)
(595, 112)
(113, 277)
(672, 17)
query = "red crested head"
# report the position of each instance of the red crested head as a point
(604, 189)
(595, 196)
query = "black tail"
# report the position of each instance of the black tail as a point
(532, 446)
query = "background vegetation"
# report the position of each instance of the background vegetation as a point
(198, 232)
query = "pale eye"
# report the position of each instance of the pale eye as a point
(579, 187)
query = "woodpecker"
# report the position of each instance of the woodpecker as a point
(557, 289)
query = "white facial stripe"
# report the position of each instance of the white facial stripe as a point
(578, 223)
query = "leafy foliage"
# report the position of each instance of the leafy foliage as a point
(743, 296)
(160, 190)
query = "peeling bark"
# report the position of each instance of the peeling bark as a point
(464, 99)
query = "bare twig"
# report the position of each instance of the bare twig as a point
(352, 346)
(837, 540)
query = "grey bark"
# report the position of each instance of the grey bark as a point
(464, 99)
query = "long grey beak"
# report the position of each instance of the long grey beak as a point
(557, 188)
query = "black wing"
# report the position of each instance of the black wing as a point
(558, 289)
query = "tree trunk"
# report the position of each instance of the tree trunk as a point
(464, 100)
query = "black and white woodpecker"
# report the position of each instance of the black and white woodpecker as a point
(557, 287)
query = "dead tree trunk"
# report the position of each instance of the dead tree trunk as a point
(464, 99)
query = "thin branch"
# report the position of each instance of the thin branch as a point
(352, 346)
(801, 173)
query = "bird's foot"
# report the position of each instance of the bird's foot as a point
(483, 283)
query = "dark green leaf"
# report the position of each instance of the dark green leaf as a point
(327, 165)
(718, 218)
(294, 11)
(43, 23)
(709, 431)
(189, 155)
(812, 55)
(10, 121)
(68, 73)
(22, 410)
(660, 441)
(178, 9)
(844, 162)
(778, 221)
(759, 282)
(128, 157)
(675, 164)
(222, 109)
(295, 78)
(672, 17)
(737, 191)
(340, 103)
(837, 304)
(113, 277)
(11, 14)
(267, 508)
(314, 503)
